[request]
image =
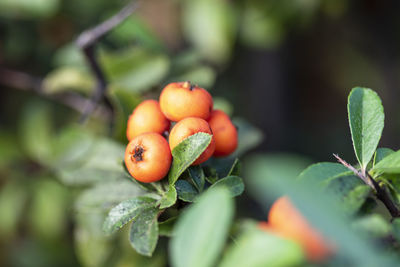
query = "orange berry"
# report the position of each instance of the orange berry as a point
(225, 133)
(188, 127)
(146, 118)
(288, 222)
(182, 100)
(148, 157)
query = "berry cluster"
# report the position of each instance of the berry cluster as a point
(189, 109)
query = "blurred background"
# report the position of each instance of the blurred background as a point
(285, 66)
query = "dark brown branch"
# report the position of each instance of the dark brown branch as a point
(87, 42)
(23, 81)
(380, 191)
(383, 195)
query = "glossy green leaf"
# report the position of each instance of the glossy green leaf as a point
(125, 212)
(197, 175)
(366, 119)
(186, 152)
(186, 191)
(324, 172)
(233, 184)
(257, 248)
(169, 198)
(104, 196)
(389, 164)
(202, 230)
(144, 232)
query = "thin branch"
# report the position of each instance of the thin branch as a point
(26, 82)
(359, 174)
(381, 193)
(87, 42)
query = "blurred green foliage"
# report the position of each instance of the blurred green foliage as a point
(58, 179)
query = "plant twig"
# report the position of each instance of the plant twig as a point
(87, 41)
(359, 174)
(27, 82)
(380, 191)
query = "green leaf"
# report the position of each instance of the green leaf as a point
(374, 225)
(103, 196)
(92, 247)
(186, 191)
(13, 198)
(125, 212)
(233, 184)
(235, 169)
(197, 175)
(135, 69)
(169, 198)
(201, 231)
(349, 191)
(323, 172)
(68, 79)
(389, 164)
(366, 120)
(211, 174)
(382, 153)
(186, 152)
(209, 26)
(101, 163)
(36, 131)
(165, 228)
(256, 248)
(144, 232)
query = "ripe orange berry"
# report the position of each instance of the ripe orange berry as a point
(148, 157)
(188, 127)
(182, 100)
(225, 133)
(287, 221)
(146, 118)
